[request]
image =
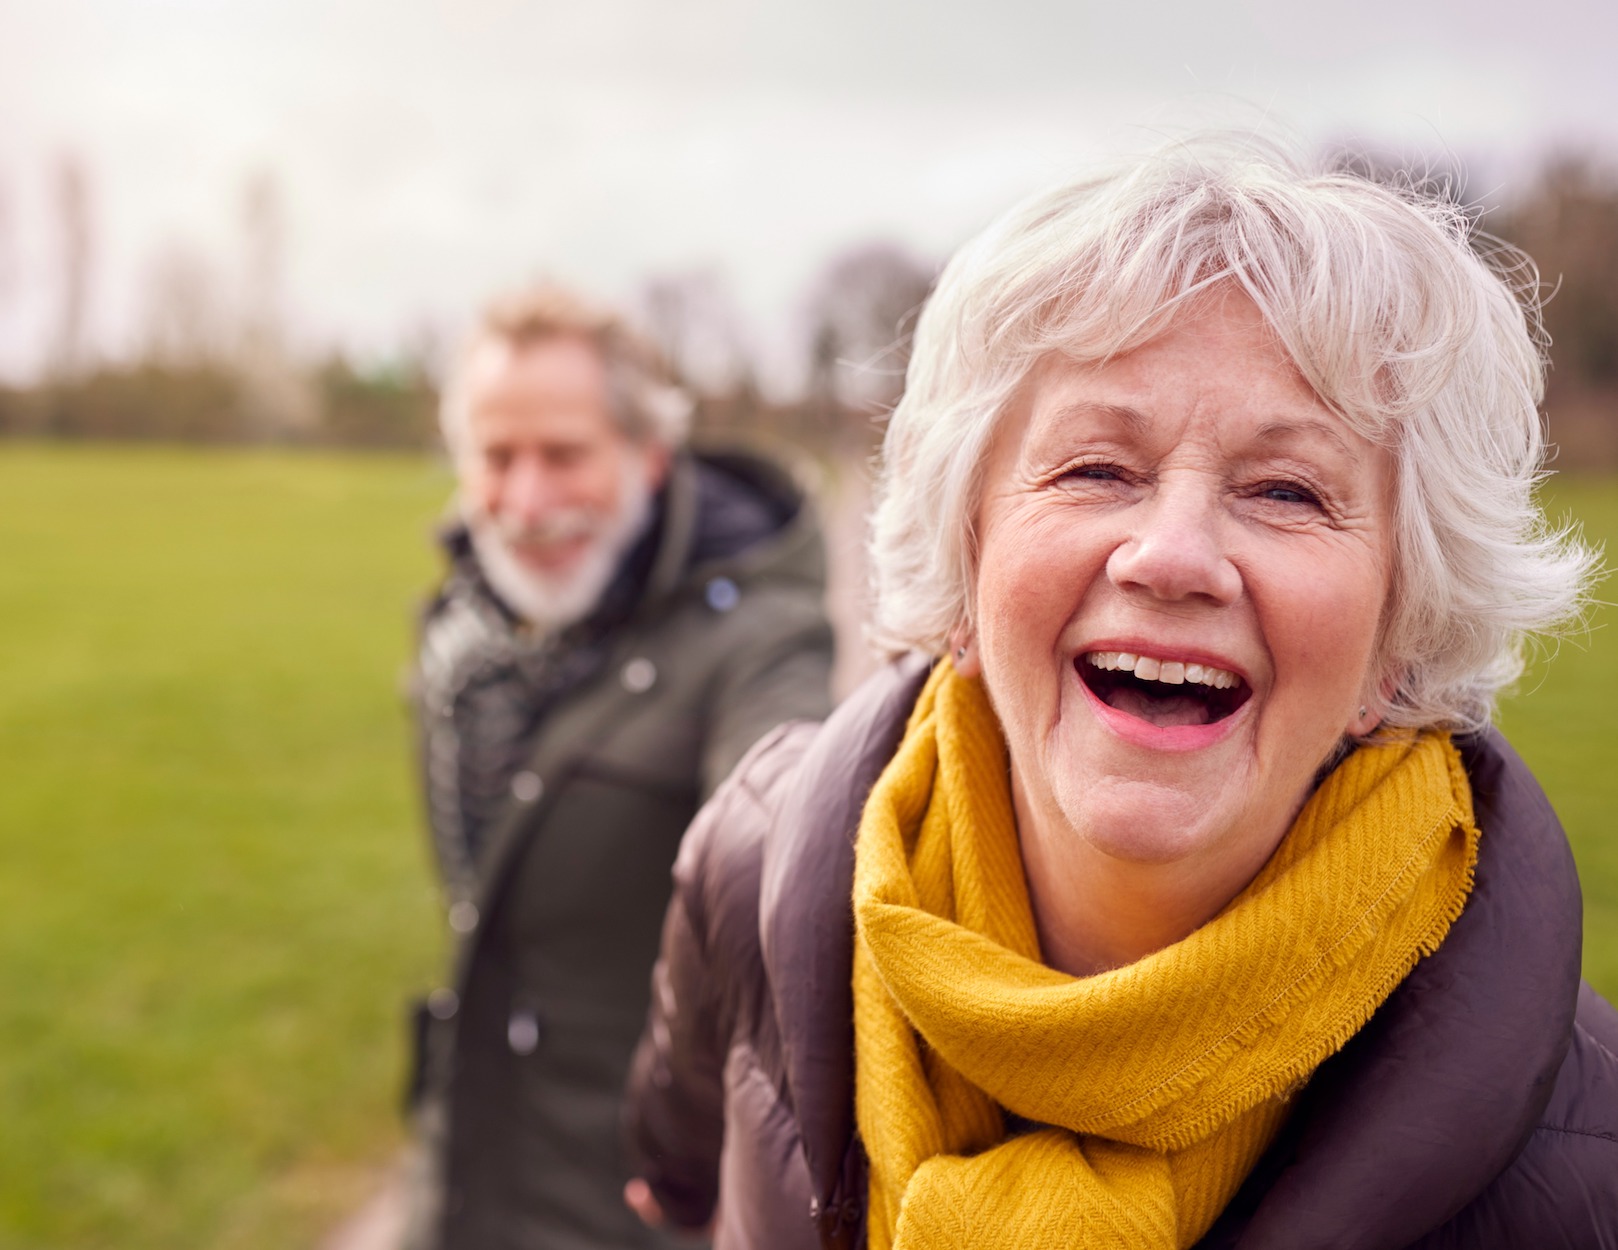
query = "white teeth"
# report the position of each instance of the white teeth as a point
(1171, 672)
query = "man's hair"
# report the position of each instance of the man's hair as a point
(643, 397)
(1419, 337)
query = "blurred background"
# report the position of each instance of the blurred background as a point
(238, 240)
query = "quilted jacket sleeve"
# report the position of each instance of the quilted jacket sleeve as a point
(1561, 1193)
(707, 988)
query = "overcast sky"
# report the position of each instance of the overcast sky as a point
(431, 151)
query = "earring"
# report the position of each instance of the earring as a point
(960, 654)
(1362, 711)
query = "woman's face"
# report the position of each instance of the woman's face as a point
(1184, 557)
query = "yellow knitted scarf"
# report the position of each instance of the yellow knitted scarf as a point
(1161, 1083)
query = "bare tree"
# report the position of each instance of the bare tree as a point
(1569, 225)
(692, 317)
(183, 323)
(278, 401)
(71, 187)
(1568, 222)
(862, 312)
(9, 262)
(263, 225)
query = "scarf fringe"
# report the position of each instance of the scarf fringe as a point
(1333, 961)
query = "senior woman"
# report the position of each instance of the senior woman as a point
(1186, 897)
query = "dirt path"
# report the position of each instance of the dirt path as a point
(378, 1225)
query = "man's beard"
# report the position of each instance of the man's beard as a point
(553, 601)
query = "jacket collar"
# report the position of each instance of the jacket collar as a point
(1439, 1092)
(806, 925)
(1417, 1114)
(728, 512)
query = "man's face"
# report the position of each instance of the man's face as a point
(552, 486)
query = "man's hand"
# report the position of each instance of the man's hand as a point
(638, 1198)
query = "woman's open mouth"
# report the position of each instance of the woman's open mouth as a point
(1165, 693)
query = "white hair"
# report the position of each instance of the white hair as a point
(1424, 336)
(553, 601)
(644, 401)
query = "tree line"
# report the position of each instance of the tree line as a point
(211, 370)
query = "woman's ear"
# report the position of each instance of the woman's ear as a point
(1365, 719)
(963, 653)
(1374, 710)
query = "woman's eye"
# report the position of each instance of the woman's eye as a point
(1287, 492)
(1096, 472)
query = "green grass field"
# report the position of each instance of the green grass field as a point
(1564, 721)
(214, 894)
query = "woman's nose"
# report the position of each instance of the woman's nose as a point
(1174, 551)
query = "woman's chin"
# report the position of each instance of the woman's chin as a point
(1150, 794)
(1134, 820)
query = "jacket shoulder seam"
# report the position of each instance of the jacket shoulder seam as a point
(1597, 1134)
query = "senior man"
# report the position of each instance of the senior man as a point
(620, 620)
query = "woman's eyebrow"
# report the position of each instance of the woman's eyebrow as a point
(1307, 429)
(1132, 419)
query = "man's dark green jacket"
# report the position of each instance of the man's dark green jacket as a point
(528, 1045)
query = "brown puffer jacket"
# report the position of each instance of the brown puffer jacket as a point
(1478, 1109)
